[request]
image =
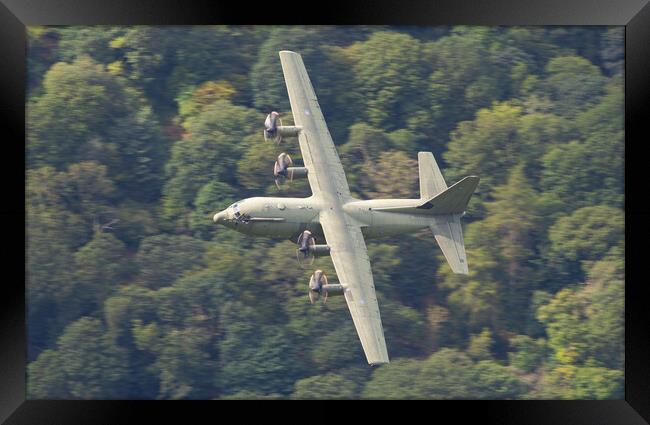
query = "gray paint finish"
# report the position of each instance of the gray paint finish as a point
(343, 221)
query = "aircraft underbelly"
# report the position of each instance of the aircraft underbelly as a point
(286, 230)
(375, 224)
(373, 232)
(270, 229)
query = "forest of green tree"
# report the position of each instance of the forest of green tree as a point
(137, 135)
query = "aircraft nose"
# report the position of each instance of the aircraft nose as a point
(219, 217)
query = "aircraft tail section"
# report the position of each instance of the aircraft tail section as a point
(449, 235)
(445, 206)
(452, 200)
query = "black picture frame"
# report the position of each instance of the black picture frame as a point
(16, 14)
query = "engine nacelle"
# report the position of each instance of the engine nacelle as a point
(308, 250)
(273, 128)
(318, 286)
(284, 172)
(320, 250)
(289, 130)
(296, 173)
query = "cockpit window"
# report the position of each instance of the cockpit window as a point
(238, 214)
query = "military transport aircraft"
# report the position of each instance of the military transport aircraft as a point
(340, 222)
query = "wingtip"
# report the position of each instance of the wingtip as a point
(378, 361)
(286, 52)
(461, 268)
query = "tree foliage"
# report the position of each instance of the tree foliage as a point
(137, 135)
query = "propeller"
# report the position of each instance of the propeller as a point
(280, 170)
(271, 124)
(305, 252)
(316, 283)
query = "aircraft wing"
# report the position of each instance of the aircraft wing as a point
(350, 258)
(330, 187)
(324, 169)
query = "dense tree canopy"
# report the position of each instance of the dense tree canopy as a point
(137, 135)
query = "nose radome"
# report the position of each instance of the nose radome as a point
(219, 216)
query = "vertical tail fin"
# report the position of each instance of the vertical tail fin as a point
(446, 206)
(449, 235)
(431, 180)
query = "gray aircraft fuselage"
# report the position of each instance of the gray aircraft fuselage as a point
(288, 217)
(339, 223)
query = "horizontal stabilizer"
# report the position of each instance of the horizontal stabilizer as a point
(449, 235)
(453, 200)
